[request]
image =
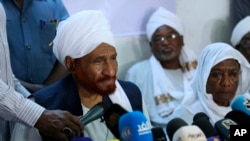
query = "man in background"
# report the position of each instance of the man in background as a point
(31, 27)
(240, 38)
(15, 107)
(165, 77)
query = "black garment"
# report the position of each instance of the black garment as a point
(63, 95)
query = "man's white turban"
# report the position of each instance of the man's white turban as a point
(163, 17)
(81, 33)
(240, 30)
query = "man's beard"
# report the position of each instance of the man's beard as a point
(105, 92)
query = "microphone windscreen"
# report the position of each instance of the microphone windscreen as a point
(111, 118)
(189, 133)
(81, 139)
(173, 125)
(158, 134)
(134, 126)
(202, 121)
(241, 103)
(239, 117)
(94, 113)
(223, 128)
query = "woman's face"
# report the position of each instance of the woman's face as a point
(223, 81)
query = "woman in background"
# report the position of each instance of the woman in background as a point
(221, 75)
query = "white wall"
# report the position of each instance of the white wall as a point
(205, 21)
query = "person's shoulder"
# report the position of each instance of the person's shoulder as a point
(51, 90)
(129, 86)
(139, 65)
(138, 72)
(133, 93)
(136, 69)
(125, 83)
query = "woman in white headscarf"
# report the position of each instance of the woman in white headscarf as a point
(220, 76)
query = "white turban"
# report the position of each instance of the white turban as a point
(240, 30)
(163, 17)
(81, 33)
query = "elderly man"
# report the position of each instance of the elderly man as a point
(165, 77)
(14, 105)
(240, 37)
(84, 44)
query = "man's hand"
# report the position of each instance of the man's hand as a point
(52, 123)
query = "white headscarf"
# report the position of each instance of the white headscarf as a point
(240, 30)
(81, 33)
(163, 17)
(210, 56)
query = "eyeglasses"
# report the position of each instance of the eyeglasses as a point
(245, 43)
(162, 39)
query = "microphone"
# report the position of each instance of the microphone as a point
(94, 113)
(202, 121)
(158, 134)
(178, 130)
(112, 116)
(81, 139)
(134, 126)
(239, 117)
(241, 103)
(223, 128)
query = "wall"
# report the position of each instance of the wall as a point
(206, 21)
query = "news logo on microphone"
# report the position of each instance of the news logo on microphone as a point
(134, 126)
(239, 133)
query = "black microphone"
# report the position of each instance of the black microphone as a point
(111, 118)
(173, 126)
(158, 134)
(202, 121)
(239, 117)
(178, 129)
(94, 113)
(223, 128)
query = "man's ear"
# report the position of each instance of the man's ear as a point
(69, 63)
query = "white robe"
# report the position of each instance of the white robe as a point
(141, 74)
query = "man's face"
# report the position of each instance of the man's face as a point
(96, 72)
(223, 81)
(244, 46)
(166, 44)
